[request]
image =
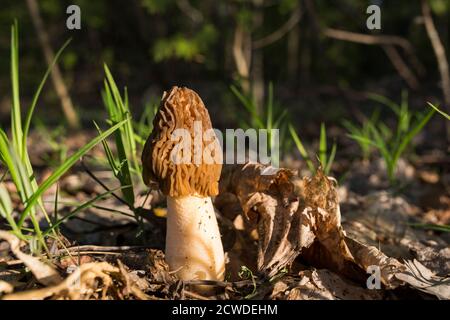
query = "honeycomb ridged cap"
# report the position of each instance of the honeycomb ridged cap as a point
(179, 109)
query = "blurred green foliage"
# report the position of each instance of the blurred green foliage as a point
(181, 47)
(191, 42)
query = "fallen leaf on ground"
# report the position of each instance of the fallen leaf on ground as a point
(321, 284)
(43, 272)
(5, 287)
(366, 256)
(81, 284)
(420, 277)
(291, 216)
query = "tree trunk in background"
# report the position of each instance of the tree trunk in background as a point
(58, 82)
(439, 51)
(441, 58)
(257, 67)
(242, 55)
(293, 53)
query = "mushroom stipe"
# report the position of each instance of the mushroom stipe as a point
(193, 242)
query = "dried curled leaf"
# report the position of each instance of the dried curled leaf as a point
(321, 214)
(150, 272)
(5, 287)
(84, 283)
(319, 285)
(43, 272)
(366, 256)
(291, 216)
(268, 192)
(81, 284)
(421, 278)
(436, 258)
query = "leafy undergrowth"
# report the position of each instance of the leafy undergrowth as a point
(284, 235)
(87, 228)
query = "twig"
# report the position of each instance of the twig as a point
(97, 252)
(367, 38)
(13, 263)
(126, 214)
(194, 295)
(146, 198)
(242, 57)
(401, 67)
(223, 284)
(283, 30)
(100, 248)
(3, 176)
(58, 82)
(186, 7)
(439, 51)
(387, 41)
(89, 172)
(103, 228)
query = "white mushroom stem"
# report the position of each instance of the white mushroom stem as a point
(193, 244)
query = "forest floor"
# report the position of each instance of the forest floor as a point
(103, 252)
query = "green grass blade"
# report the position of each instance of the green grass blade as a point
(412, 133)
(269, 119)
(301, 148)
(385, 101)
(16, 120)
(362, 139)
(25, 183)
(445, 115)
(323, 145)
(141, 141)
(405, 115)
(84, 206)
(283, 114)
(245, 102)
(385, 131)
(27, 123)
(430, 226)
(6, 208)
(6, 151)
(249, 104)
(119, 110)
(331, 159)
(63, 169)
(108, 152)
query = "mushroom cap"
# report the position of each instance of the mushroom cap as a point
(179, 109)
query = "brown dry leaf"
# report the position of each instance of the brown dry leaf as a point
(322, 284)
(385, 215)
(321, 213)
(81, 284)
(268, 192)
(132, 286)
(302, 216)
(421, 278)
(5, 287)
(292, 215)
(12, 276)
(435, 258)
(366, 256)
(43, 273)
(68, 261)
(150, 271)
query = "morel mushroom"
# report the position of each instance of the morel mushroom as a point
(193, 243)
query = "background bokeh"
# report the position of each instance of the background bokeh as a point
(151, 45)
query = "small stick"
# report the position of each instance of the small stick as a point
(89, 172)
(101, 248)
(237, 284)
(194, 295)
